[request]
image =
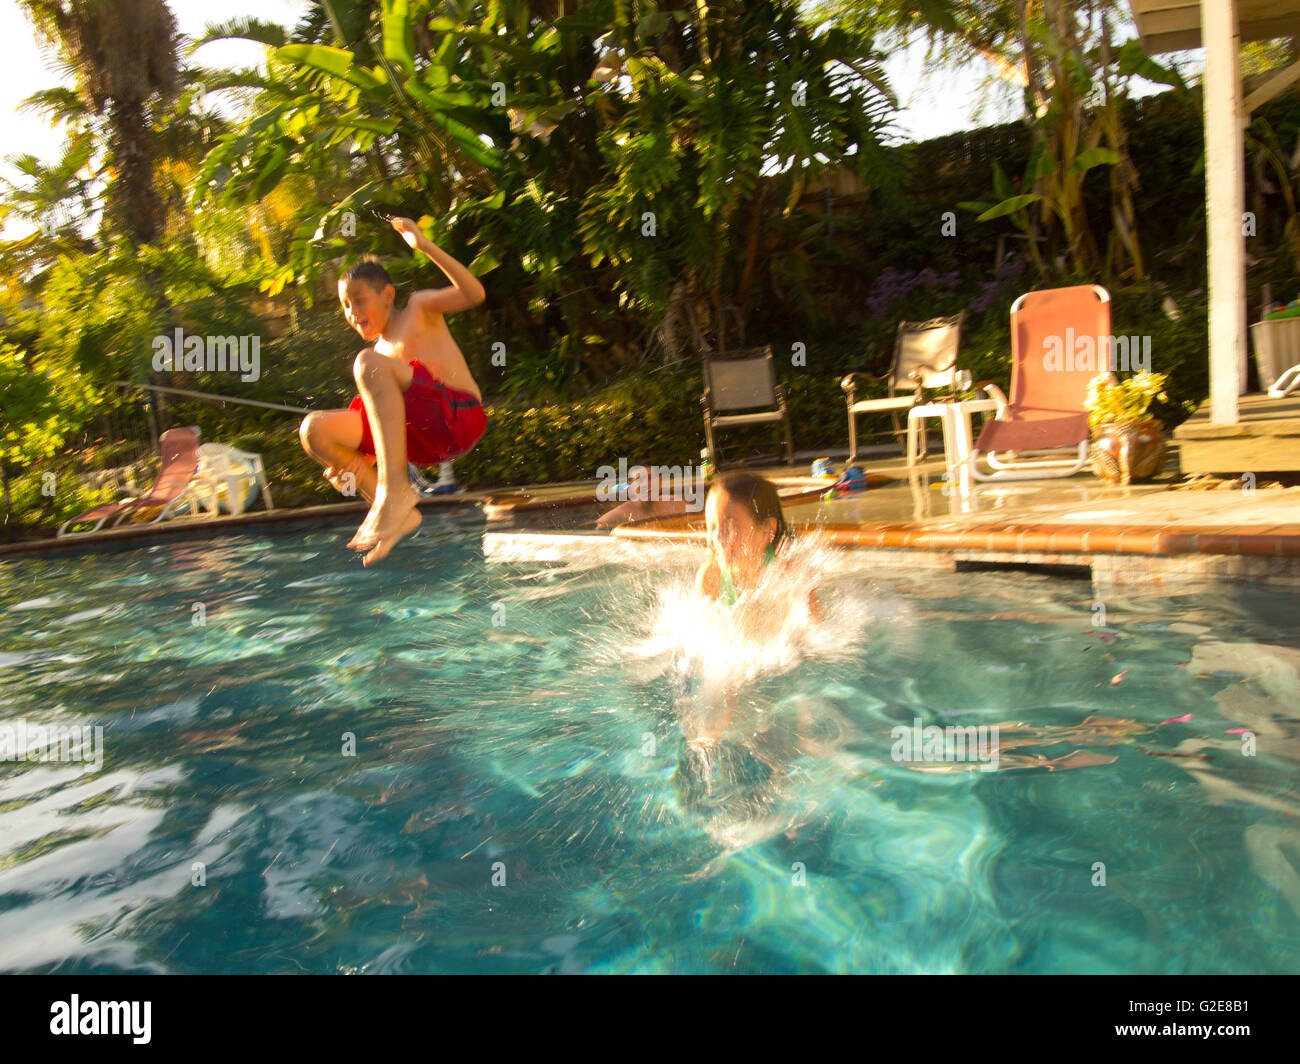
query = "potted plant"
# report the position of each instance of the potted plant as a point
(1126, 444)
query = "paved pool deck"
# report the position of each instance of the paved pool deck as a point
(1161, 533)
(1158, 533)
(285, 519)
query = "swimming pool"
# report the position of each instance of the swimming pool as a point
(529, 792)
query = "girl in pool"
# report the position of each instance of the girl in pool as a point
(741, 746)
(747, 533)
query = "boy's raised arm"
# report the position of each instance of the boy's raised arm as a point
(465, 290)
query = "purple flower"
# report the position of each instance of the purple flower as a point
(1008, 269)
(892, 286)
(987, 297)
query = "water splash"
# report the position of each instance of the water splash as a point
(715, 649)
(745, 738)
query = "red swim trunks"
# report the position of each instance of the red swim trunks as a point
(441, 423)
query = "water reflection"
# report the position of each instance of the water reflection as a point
(664, 791)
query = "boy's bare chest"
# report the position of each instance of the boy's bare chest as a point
(414, 339)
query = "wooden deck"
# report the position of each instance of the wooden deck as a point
(1266, 439)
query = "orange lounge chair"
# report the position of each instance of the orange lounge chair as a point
(179, 451)
(1059, 342)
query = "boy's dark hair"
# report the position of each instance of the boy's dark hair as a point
(369, 270)
(759, 496)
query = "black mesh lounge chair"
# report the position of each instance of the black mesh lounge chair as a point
(925, 356)
(745, 382)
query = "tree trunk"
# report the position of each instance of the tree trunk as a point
(670, 326)
(751, 248)
(132, 150)
(1032, 85)
(8, 499)
(719, 320)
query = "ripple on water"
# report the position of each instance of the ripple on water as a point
(44, 602)
(91, 614)
(553, 749)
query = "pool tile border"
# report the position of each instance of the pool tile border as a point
(1267, 551)
(219, 525)
(1143, 554)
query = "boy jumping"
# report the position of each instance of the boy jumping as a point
(418, 401)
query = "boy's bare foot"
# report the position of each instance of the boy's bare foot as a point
(386, 542)
(396, 516)
(364, 537)
(384, 511)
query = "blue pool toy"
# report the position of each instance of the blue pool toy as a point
(852, 479)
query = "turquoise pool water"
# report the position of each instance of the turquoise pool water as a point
(531, 792)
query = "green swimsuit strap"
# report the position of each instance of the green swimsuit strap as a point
(727, 587)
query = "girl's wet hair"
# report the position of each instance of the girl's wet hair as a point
(757, 495)
(369, 270)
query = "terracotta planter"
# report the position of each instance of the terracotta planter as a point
(1123, 452)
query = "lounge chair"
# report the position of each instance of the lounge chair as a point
(229, 480)
(1286, 383)
(1045, 415)
(179, 453)
(744, 382)
(925, 356)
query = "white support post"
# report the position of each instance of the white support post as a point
(1225, 197)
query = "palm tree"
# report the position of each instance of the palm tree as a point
(123, 57)
(123, 54)
(54, 196)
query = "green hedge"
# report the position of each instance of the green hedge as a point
(657, 417)
(32, 510)
(653, 419)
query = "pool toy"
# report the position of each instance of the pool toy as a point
(1290, 310)
(852, 479)
(823, 467)
(446, 483)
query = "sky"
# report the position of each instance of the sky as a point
(27, 69)
(934, 102)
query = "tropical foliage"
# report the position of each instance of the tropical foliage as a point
(637, 181)
(1074, 75)
(612, 168)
